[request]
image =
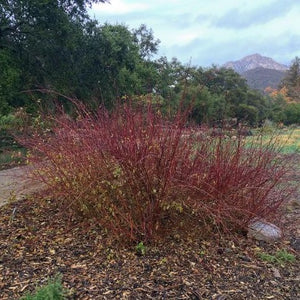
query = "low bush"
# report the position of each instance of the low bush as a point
(140, 174)
(11, 153)
(14, 121)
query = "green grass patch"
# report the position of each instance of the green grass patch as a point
(53, 290)
(281, 257)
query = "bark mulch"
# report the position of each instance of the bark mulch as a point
(38, 242)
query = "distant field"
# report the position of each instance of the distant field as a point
(288, 139)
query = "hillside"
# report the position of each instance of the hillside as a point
(260, 78)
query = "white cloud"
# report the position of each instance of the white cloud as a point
(186, 37)
(213, 31)
(119, 7)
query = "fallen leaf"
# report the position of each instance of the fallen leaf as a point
(78, 266)
(276, 273)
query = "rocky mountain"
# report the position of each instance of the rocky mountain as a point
(259, 71)
(254, 61)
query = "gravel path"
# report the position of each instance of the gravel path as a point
(16, 184)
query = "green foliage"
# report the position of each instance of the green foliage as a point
(216, 93)
(148, 45)
(9, 80)
(292, 113)
(7, 121)
(292, 80)
(11, 153)
(280, 257)
(207, 107)
(280, 110)
(140, 248)
(50, 45)
(43, 40)
(111, 63)
(247, 112)
(275, 108)
(53, 290)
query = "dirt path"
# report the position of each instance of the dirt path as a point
(16, 184)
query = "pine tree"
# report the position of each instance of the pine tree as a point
(292, 80)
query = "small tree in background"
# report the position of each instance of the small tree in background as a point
(292, 80)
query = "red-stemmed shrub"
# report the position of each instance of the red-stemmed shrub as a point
(140, 174)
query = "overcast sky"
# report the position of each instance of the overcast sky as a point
(208, 32)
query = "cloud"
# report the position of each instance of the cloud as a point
(119, 7)
(238, 18)
(213, 31)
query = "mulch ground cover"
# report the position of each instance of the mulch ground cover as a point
(37, 241)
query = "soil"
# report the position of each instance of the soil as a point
(16, 184)
(38, 241)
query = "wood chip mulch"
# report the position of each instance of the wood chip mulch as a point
(36, 243)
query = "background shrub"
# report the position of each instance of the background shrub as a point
(292, 114)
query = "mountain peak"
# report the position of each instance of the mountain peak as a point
(254, 61)
(254, 56)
